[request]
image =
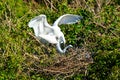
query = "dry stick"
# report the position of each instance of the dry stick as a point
(118, 7)
(64, 59)
(68, 76)
(108, 2)
(105, 28)
(61, 69)
(100, 25)
(69, 58)
(50, 4)
(32, 56)
(55, 70)
(46, 3)
(62, 72)
(75, 67)
(58, 71)
(98, 3)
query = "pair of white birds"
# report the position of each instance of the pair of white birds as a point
(52, 34)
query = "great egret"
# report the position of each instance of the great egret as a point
(52, 34)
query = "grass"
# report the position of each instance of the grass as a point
(97, 35)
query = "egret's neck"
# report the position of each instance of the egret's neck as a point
(64, 50)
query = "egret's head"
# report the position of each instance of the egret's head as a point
(62, 40)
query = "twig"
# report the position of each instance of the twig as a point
(57, 71)
(32, 56)
(100, 25)
(50, 4)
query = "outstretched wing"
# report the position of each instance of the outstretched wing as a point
(67, 19)
(40, 25)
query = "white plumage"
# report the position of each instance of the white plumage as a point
(52, 34)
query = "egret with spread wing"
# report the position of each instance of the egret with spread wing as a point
(52, 34)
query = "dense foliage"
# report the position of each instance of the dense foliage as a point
(98, 33)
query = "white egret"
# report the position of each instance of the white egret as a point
(52, 34)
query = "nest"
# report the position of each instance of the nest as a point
(60, 66)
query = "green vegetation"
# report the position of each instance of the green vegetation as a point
(24, 57)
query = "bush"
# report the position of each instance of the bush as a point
(95, 39)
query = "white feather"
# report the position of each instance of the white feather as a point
(52, 34)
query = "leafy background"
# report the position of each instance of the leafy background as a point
(97, 35)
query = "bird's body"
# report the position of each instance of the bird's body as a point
(52, 34)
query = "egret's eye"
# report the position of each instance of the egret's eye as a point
(57, 38)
